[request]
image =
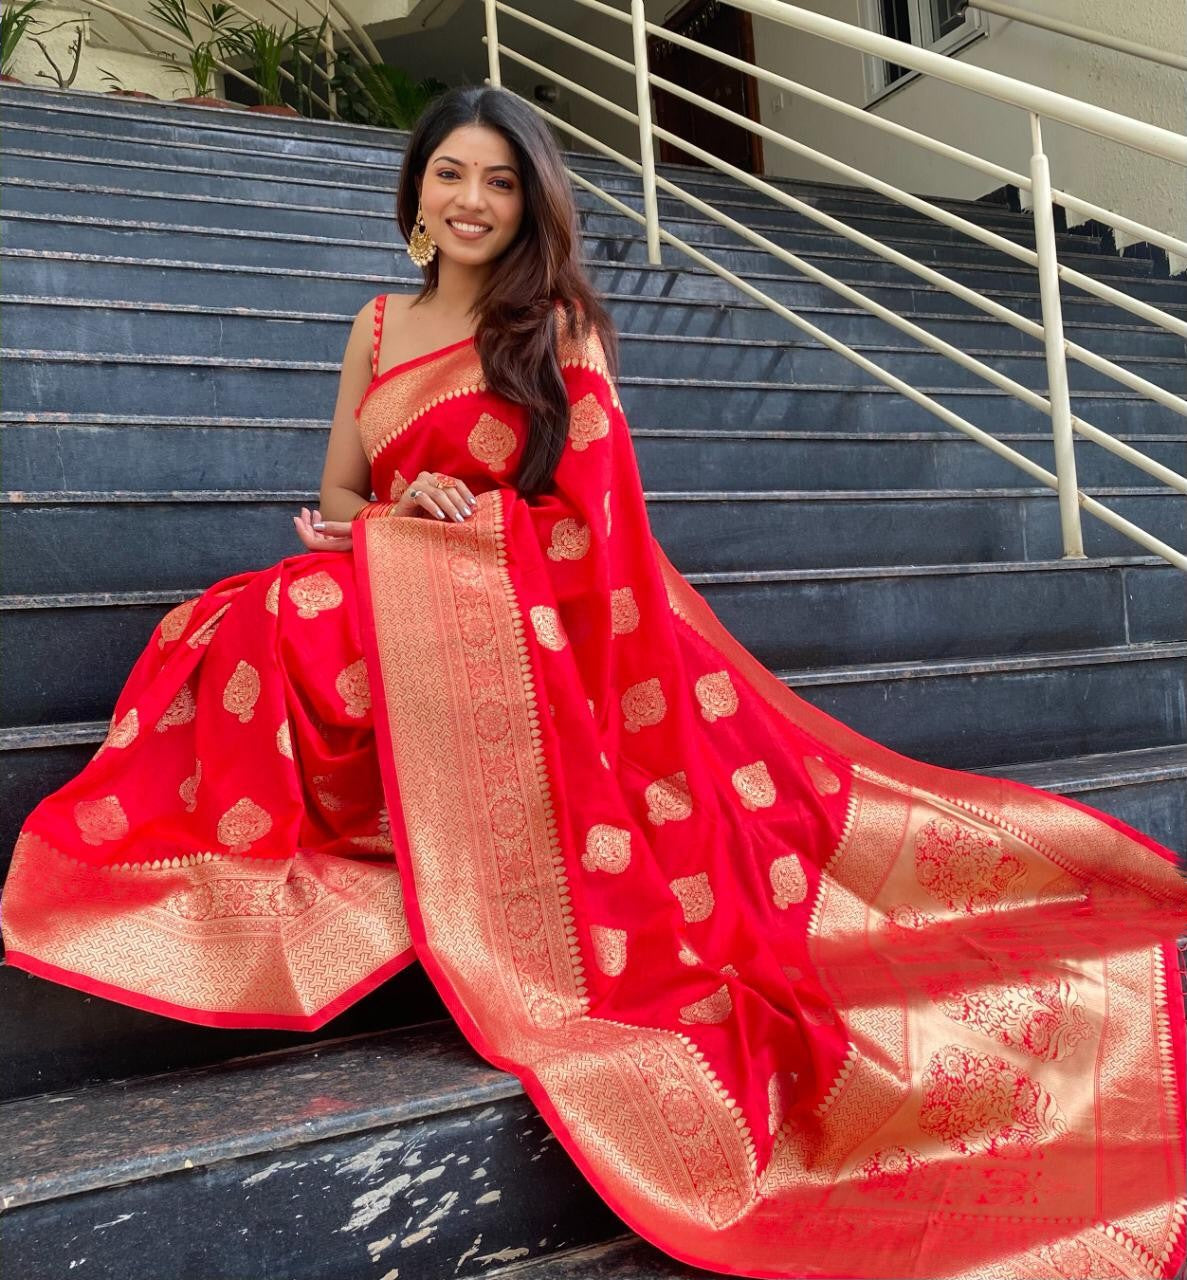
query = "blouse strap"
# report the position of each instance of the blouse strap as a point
(377, 333)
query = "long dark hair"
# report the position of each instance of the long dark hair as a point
(516, 335)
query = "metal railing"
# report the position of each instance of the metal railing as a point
(1039, 103)
(1077, 32)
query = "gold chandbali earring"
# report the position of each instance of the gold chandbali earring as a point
(421, 245)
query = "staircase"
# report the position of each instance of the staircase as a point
(178, 287)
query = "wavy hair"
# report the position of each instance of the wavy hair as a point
(539, 272)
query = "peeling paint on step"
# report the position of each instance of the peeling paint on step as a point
(265, 1174)
(489, 1198)
(114, 1222)
(371, 1204)
(504, 1255)
(376, 1247)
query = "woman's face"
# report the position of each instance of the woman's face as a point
(471, 194)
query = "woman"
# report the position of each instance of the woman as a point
(796, 1004)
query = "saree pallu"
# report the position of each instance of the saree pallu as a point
(796, 1005)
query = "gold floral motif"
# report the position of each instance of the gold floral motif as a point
(570, 540)
(272, 599)
(397, 487)
(180, 711)
(668, 799)
(643, 704)
(963, 867)
(242, 691)
(188, 791)
(606, 509)
(780, 1093)
(546, 623)
(587, 422)
(753, 784)
(1045, 1019)
(124, 733)
(717, 696)
(686, 955)
(491, 441)
(907, 917)
(977, 1103)
(205, 633)
(354, 689)
(284, 740)
(607, 848)
(174, 623)
(100, 820)
(328, 799)
(609, 946)
(242, 825)
(624, 611)
(315, 593)
(823, 778)
(788, 882)
(695, 895)
(712, 1008)
(888, 1170)
(1073, 1258)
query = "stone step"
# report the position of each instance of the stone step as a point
(176, 282)
(77, 383)
(626, 1257)
(45, 321)
(44, 197)
(101, 452)
(968, 262)
(795, 357)
(170, 540)
(358, 146)
(842, 616)
(403, 1152)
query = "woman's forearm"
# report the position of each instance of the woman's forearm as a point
(338, 503)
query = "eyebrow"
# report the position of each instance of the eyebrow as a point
(490, 168)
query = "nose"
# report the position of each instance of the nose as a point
(470, 193)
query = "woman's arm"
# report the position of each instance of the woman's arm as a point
(346, 474)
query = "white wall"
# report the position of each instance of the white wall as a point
(1142, 187)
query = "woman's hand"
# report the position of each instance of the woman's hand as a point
(334, 535)
(454, 503)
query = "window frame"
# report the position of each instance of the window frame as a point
(877, 87)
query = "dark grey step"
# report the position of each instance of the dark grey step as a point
(1005, 711)
(177, 282)
(241, 134)
(46, 322)
(841, 616)
(625, 1258)
(84, 454)
(402, 1151)
(967, 263)
(58, 1038)
(60, 199)
(793, 357)
(175, 540)
(79, 383)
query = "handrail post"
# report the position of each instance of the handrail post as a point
(492, 45)
(1057, 381)
(646, 140)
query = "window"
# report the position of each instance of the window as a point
(940, 25)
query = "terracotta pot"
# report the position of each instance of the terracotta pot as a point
(211, 102)
(133, 93)
(282, 110)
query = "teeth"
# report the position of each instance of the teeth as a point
(467, 226)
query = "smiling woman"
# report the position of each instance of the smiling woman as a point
(795, 1004)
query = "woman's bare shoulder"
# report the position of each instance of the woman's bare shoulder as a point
(396, 304)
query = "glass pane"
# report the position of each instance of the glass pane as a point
(946, 16)
(896, 23)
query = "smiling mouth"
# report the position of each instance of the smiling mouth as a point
(467, 228)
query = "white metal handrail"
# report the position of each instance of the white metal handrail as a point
(1064, 423)
(1078, 32)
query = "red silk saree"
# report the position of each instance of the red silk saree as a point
(796, 1005)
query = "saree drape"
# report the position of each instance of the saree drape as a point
(796, 1005)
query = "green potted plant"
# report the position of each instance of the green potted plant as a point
(15, 20)
(268, 48)
(203, 53)
(380, 95)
